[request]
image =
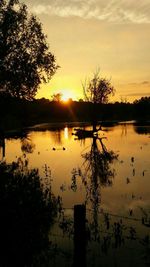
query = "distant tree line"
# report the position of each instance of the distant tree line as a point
(20, 113)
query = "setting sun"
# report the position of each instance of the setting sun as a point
(65, 98)
(66, 95)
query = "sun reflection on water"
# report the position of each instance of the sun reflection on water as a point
(66, 135)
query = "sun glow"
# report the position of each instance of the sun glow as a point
(65, 98)
(67, 95)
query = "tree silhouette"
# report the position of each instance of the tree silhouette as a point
(143, 100)
(57, 97)
(142, 108)
(97, 91)
(25, 60)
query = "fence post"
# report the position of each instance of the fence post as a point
(79, 235)
(2, 143)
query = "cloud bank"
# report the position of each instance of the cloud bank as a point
(116, 11)
(138, 94)
(146, 83)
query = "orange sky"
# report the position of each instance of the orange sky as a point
(113, 35)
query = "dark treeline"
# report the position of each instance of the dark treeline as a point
(16, 113)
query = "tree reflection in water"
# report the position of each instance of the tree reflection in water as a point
(97, 163)
(97, 172)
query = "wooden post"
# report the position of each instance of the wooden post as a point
(3, 147)
(79, 235)
(2, 143)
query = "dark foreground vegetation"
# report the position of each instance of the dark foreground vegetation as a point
(27, 209)
(17, 113)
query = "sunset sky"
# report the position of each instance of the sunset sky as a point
(113, 35)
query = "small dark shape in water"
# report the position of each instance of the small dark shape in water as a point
(133, 172)
(143, 173)
(128, 180)
(53, 148)
(82, 134)
(131, 212)
(143, 220)
(132, 159)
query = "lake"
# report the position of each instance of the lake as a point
(109, 173)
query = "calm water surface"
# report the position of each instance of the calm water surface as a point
(122, 194)
(132, 169)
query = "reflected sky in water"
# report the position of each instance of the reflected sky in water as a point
(62, 153)
(122, 194)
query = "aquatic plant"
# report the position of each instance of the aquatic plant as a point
(28, 208)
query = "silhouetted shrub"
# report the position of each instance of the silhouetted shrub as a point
(27, 210)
